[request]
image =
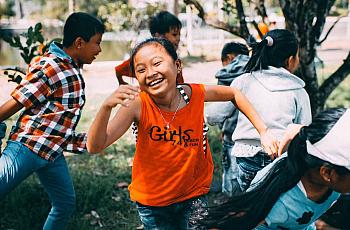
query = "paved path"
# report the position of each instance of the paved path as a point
(100, 77)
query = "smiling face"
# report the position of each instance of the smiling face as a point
(155, 69)
(89, 50)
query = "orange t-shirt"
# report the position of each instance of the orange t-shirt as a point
(123, 69)
(171, 166)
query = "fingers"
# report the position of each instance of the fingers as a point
(124, 95)
(270, 144)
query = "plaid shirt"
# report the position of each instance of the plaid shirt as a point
(53, 96)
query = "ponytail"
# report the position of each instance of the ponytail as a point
(274, 49)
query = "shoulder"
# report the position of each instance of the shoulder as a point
(238, 81)
(188, 88)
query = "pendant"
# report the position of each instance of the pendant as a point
(167, 126)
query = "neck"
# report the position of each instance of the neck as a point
(72, 53)
(315, 189)
(169, 101)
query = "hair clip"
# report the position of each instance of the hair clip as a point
(269, 41)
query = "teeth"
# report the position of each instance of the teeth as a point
(155, 82)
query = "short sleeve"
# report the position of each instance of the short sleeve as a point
(277, 215)
(124, 68)
(33, 90)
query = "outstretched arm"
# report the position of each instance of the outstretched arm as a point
(225, 93)
(103, 132)
(9, 108)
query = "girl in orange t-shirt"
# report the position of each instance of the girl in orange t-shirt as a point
(172, 167)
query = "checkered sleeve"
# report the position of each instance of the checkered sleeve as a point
(33, 90)
(77, 143)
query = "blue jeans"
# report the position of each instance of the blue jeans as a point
(249, 166)
(230, 184)
(183, 215)
(2, 132)
(17, 162)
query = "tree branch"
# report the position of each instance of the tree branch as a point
(329, 31)
(261, 9)
(335, 79)
(213, 22)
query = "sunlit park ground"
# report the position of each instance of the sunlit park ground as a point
(101, 180)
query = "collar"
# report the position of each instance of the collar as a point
(57, 50)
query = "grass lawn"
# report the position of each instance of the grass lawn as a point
(101, 189)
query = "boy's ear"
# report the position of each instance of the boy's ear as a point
(78, 42)
(326, 173)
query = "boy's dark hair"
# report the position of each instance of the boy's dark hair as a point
(160, 41)
(247, 210)
(163, 22)
(284, 44)
(82, 25)
(235, 48)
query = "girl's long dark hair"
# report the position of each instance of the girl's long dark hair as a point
(284, 46)
(247, 210)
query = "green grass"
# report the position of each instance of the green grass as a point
(96, 179)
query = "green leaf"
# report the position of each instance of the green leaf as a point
(38, 27)
(29, 41)
(17, 42)
(25, 58)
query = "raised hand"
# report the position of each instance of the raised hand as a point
(123, 96)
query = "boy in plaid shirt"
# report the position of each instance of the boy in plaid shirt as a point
(52, 95)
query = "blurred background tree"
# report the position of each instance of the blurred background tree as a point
(305, 18)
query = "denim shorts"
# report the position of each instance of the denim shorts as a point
(182, 215)
(249, 166)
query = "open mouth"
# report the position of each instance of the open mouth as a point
(155, 82)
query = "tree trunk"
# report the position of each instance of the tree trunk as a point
(307, 20)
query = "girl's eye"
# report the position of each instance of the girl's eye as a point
(140, 70)
(157, 63)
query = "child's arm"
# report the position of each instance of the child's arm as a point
(103, 132)
(9, 108)
(226, 93)
(291, 131)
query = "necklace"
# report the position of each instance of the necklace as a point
(167, 123)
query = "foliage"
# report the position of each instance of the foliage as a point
(119, 16)
(56, 9)
(32, 45)
(6, 8)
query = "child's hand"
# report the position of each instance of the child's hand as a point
(269, 144)
(123, 96)
(291, 131)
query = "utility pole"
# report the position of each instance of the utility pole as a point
(189, 30)
(71, 6)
